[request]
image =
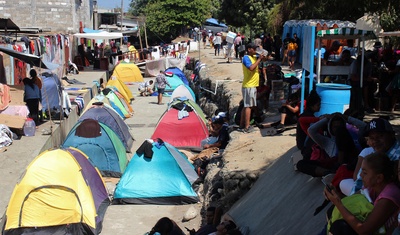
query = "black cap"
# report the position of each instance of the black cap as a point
(378, 124)
(251, 45)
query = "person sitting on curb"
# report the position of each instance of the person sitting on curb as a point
(165, 226)
(225, 228)
(209, 227)
(220, 133)
(145, 88)
(290, 110)
(378, 174)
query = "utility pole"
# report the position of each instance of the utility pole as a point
(122, 18)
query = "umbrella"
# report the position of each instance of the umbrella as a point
(33, 60)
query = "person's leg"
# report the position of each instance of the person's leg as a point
(247, 114)
(159, 98)
(242, 119)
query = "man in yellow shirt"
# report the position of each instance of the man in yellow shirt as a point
(249, 86)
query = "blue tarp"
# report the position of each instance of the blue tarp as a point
(215, 22)
(87, 30)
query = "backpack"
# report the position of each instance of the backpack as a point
(274, 72)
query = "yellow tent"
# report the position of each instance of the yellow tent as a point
(121, 87)
(55, 194)
(128, 72)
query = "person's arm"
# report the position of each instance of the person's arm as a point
(313, 132)
(249, 65)
(382, 211)
(358, 167)
(292, 109)
(305, 122)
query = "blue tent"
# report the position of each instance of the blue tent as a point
(109, 117)
(103, 147)
(164, 179)
(178, 73)
(174, 81)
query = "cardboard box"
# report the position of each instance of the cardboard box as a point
(230, 37)
(17, 95)
(13, 122)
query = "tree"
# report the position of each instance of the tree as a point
(168, 18)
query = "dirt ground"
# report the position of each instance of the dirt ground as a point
(253, 151)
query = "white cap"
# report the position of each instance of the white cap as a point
(221, 114)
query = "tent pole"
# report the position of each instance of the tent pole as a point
(319, 61)
(362, 61)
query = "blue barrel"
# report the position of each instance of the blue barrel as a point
(334, 98)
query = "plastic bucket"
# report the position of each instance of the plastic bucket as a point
(334, 98)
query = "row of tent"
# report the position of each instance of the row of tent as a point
(130, 73)
(62, 190)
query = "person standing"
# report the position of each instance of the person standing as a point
(161, 84)
(285, 44)
(32, 97)
(238, 42)
(217, 43)
(249, 86)
(297, 41)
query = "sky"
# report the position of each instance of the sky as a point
(109, 4)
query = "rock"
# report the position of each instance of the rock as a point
(231, 184)
(245, 184)
(252, 176)
(190, 214)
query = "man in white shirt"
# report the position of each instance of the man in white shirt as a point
(146, 88)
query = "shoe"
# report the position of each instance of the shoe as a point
(280, 126)
(240, 130)
(248, 129)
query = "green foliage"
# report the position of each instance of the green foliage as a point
(167, 18)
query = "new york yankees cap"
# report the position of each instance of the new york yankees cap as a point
(378, 124)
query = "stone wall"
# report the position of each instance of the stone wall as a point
(59, 16)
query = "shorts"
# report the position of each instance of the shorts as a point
(161, 90)
(141, 89)
(292, 53)
(249, 96)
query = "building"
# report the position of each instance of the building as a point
(61, 16)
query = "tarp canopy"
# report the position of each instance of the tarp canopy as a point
(98, 36)
(348, 33)
(315, 22)
(87, 30)
(390, 34)
(33, 60)
(215, 22)
(8, 24)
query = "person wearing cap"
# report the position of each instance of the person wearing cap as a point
(380, 137)
(250, 83)
(217, 40)
(162, 82)
(219, 134)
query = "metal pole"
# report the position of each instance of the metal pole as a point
(122, 18)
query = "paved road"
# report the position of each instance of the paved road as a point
(138, 219)
(119, 219)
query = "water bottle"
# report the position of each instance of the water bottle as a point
(29, 127)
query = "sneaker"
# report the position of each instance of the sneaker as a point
(248, 129)
(280, 126)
